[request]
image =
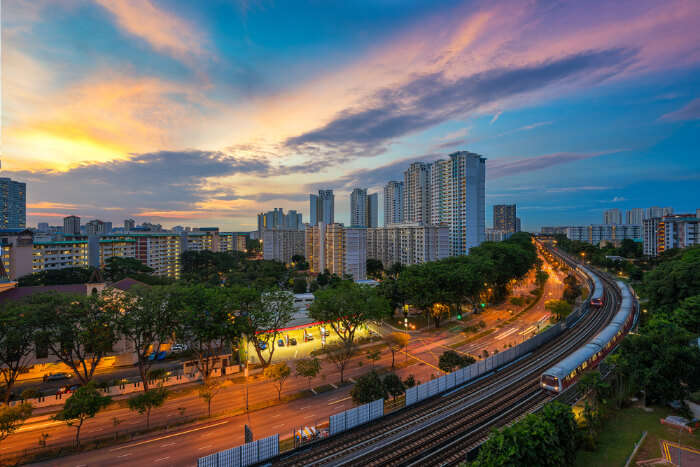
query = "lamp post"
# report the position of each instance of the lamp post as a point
(405, 325)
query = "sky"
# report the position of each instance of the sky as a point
(206, 113)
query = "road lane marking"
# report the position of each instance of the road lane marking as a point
(528, 330)
(506, 334)
(277, 415)
(162, 459)
(306, 407)
(280, 425)
(309, 416)
(125, 455)
(340, 400)
(167, 444)
(204, 447)
(168, 436)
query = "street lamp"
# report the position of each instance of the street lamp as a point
(405, 325)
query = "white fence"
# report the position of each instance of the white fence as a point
(242, 456)
(356, 416)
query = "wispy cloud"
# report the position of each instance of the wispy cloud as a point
(495, 117)
(504, 167)
(573, 189)
(690, 111)
(532, 126)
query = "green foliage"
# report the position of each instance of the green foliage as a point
(146, 401)
(308, 368)
(375, 268)
(393, 385)
(78, 330)
(17, 327)
(547, 438)
(253, 246)
(299, 285)
(517, 301)
(11, 418)
(232, 267)
(83, 404)
(348, 306)
(117, 268)
(279, 372)
(266, 313)
(687, 315)
(396, 341)
(451, 360)
(541, 277)
(373, 355)
(369, 387)
(410, 381)
(57, 277)
(559, 308)
(339, 354)
(673, 281)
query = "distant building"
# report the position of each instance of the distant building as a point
(322, 207)
(282, 245)
(16, 250)
(467, 226)
(597, 233)
(393, 203)
(59, 254)
(517, 224)
(129, 224)
(338, 249)
(668, 232)
(612, 217)
(43, 227)
(417, 196)
(553, 230)
(96, 227)
(277, 219)
(634, 216)
(408, 243)
(504, 217)
(13, 204)
(655, 211)
(494, 235)
(71, 225)
(363, 208)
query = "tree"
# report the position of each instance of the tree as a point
(118, 268)
(299, 285)
(368, 388)
(373, 355)
(278, 373)
(393, 385)
(672, 281)
(77, 330)
(339, 354)
(269, 313)
(559, 308)
(12, 417)
(205, 321)
(145, 401)
(146, 321)
(17, 328)
(375, 268)
(451, 360)
(309, 368)
(541, 277)
(346, 307)
(687, 315)
(396, 342)
(57, 277)
(410, 381)
(83, 404)
(209, 390)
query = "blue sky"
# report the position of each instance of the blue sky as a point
(205, 113)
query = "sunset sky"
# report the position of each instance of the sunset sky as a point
(204, 113)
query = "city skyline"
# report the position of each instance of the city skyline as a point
(182, 119)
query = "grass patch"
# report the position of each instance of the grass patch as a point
(623, 428)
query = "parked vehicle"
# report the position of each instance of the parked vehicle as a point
(292, 341)
(262, 346)
(178, 348)
(58, 376)
(280, 342)
(161, 355)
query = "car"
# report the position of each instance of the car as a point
(292, 341)
(58, 376)
(161, 355)
(262, 346)
(280, 342)
(178, 347)
(152, 356)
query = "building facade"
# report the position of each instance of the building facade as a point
(494, 235)
(364, 208)
(59, 255)
(393, 203)
(612, 217)
(16, 251)
(416, 200)
(408, 243)
(71, 225)
(634, 216)
(597, 233)
(281, 245)
(668, 232)
(655, 211)
(339, 250)
(504, 218)
(468, 223)
(13, 204)
(322, 207)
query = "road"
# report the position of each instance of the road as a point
(183, 445)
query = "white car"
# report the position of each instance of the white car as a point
(178, 348)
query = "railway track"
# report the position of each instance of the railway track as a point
(440, 431)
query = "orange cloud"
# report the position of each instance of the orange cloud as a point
(164, 31)
(50, 205)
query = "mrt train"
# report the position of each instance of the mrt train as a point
(597, 296)
(567, 371)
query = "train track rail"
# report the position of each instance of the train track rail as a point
(442, 430)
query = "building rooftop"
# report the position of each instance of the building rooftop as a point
(19, 293)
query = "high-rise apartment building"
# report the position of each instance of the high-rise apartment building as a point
(129, 224)
(393, 203)
(61, 254)
(13, 204)
(441, 192)
(363, 208)
(16, 250)
(597, 233)
(612, 217)
(417, 199)
(468, 223)
(322, 207)
(96, 227)
(282, 245)
(339, 250)
(656, 211)
(277, 219)
(494, 235)
(71, 225)
(408, 243)
(634, 216)
(668, 232)
(504, 218)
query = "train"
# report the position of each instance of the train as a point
(597, 297)
(567, 371)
